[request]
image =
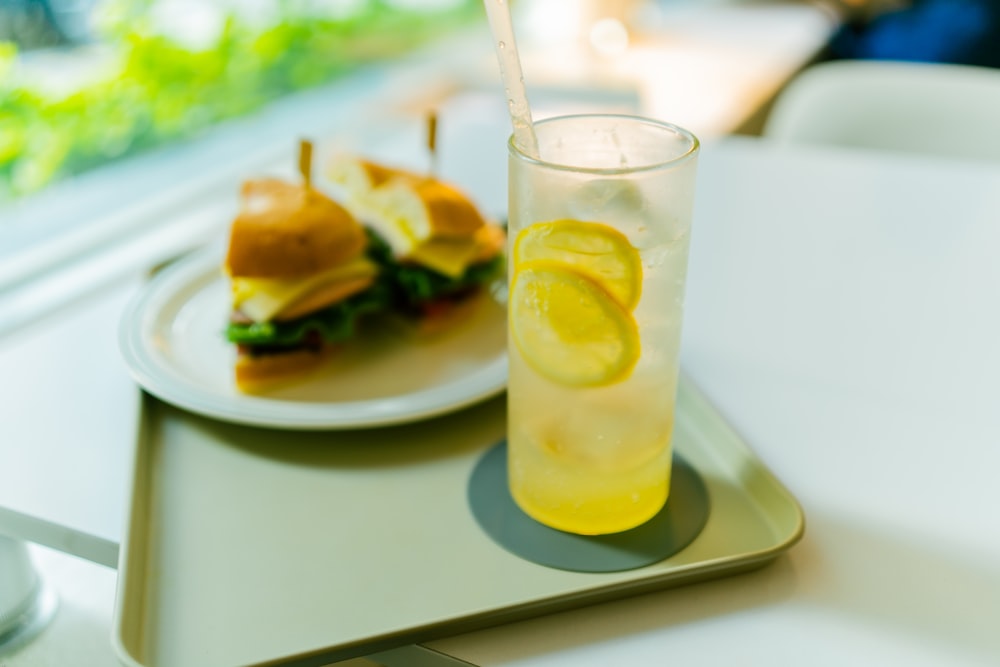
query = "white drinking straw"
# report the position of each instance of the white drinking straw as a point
(498, 12)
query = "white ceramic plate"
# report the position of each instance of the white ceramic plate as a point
(172, 339)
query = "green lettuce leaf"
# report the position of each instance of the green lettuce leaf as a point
(333, 324)
(412, 285)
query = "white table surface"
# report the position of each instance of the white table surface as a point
(68, 412)
(842, 313)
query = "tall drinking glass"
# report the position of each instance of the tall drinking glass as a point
(599, 228)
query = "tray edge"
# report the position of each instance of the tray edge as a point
(692, 574)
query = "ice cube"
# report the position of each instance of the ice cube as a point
(608, 200)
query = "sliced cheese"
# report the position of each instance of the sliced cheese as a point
(448, 256)
(453, 256)
(261, 299)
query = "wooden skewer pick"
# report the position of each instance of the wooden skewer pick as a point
(305, 162)
(432, 122)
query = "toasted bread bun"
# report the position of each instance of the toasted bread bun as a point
(490, 240)
(427, 222)
(257, 373)
(427, 209)
(424, 220)
(358, 177)
(287, 231)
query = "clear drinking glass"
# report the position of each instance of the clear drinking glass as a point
(599, 229)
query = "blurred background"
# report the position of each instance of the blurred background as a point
(126, 125)
(84, 82)
(87, 82)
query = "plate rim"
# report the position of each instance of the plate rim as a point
(148, 369)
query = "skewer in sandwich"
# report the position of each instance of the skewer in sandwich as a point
(434, 248)
(300, 280)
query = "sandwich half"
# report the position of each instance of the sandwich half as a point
(301, 281)
(433, 246)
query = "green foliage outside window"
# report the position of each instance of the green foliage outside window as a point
(161, 90)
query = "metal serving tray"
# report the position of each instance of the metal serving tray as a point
(250, 546)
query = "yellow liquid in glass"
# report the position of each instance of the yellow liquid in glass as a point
(596, 459)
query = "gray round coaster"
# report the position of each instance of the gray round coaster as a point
(672, 529)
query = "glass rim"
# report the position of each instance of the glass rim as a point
(694, 145)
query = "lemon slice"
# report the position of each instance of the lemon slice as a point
(568, 328)
(596, 250)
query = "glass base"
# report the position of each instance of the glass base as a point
(674, 527)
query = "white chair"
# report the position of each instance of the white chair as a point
(949, 110)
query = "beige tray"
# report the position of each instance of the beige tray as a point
(248, 546)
